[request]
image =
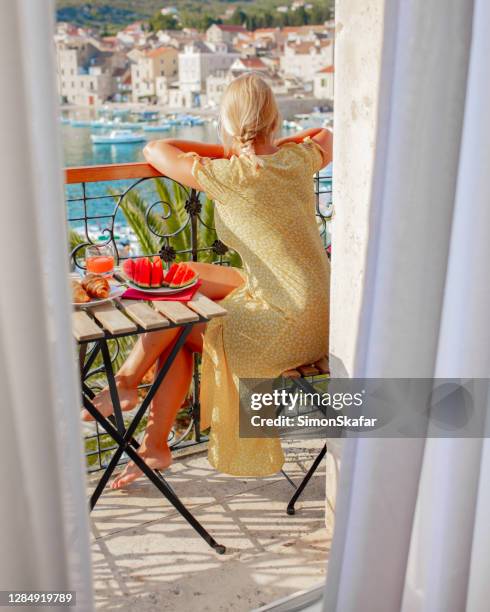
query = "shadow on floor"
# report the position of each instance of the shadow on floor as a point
(147, 557)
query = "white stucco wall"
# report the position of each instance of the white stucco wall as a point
(359, 35)
(357, 66)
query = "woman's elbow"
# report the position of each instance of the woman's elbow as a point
(325, 140)
(148, 151)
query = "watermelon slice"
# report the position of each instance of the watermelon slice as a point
(171, 272)
(142, 272)
(156, 278)
(178, 276)
(149, 272)
(137, 271)
(188, 278)
(128, 268)
(145, 272)
(183, 277)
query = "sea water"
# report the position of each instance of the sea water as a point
(78, 150)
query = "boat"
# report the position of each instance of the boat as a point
(116, 123)
(118, 137)
(101, 123)
(157, 127)
(147, 115)
(190, 120)
(128, 125)
(64, 120)
(80, 123)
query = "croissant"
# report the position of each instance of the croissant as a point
(96, 286)
(79, 295)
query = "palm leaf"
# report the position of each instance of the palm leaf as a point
(207, 235)
(235, 260)
(180, 239)
(74, 239)
(134, 210)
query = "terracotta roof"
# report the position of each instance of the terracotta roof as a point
(303, 28)
(253, 63)
(231, 28)
(136, 25)
(159, 51)
(305, 47)
(327, 70)
(243, 43)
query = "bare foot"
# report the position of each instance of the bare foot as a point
(157, 459)
(128, 398)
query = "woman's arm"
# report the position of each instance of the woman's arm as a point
(166, 157)
(321, 136)
(299, 136)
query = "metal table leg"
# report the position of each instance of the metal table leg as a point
(127, 444)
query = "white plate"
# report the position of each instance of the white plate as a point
(161, 290)
(116, 291)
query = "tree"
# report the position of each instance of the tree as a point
(299, 17)
(239, 17)
(251, 22)
(163, 22)
(318, 14)
(284, 20)
(268, 19)
(205, 21)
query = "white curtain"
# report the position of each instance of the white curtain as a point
(43, 510)
(412, 517)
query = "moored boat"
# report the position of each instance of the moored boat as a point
(157, 127)
(118, 137)
(189, 120)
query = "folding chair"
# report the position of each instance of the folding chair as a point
(299, 378)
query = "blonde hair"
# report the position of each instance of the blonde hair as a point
(248, 112)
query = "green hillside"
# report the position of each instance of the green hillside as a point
(112, 15)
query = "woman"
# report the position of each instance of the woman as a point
(278, 305)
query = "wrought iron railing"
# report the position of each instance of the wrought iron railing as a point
(138, 211)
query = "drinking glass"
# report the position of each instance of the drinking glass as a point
(99, 259)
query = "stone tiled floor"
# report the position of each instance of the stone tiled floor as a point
(146, 557)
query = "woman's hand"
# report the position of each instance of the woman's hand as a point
(167, 157)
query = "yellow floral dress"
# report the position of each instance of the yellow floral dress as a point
(278, 319)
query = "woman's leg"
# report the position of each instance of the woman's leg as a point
(217, 283)
(164, 407)
(144, 354)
